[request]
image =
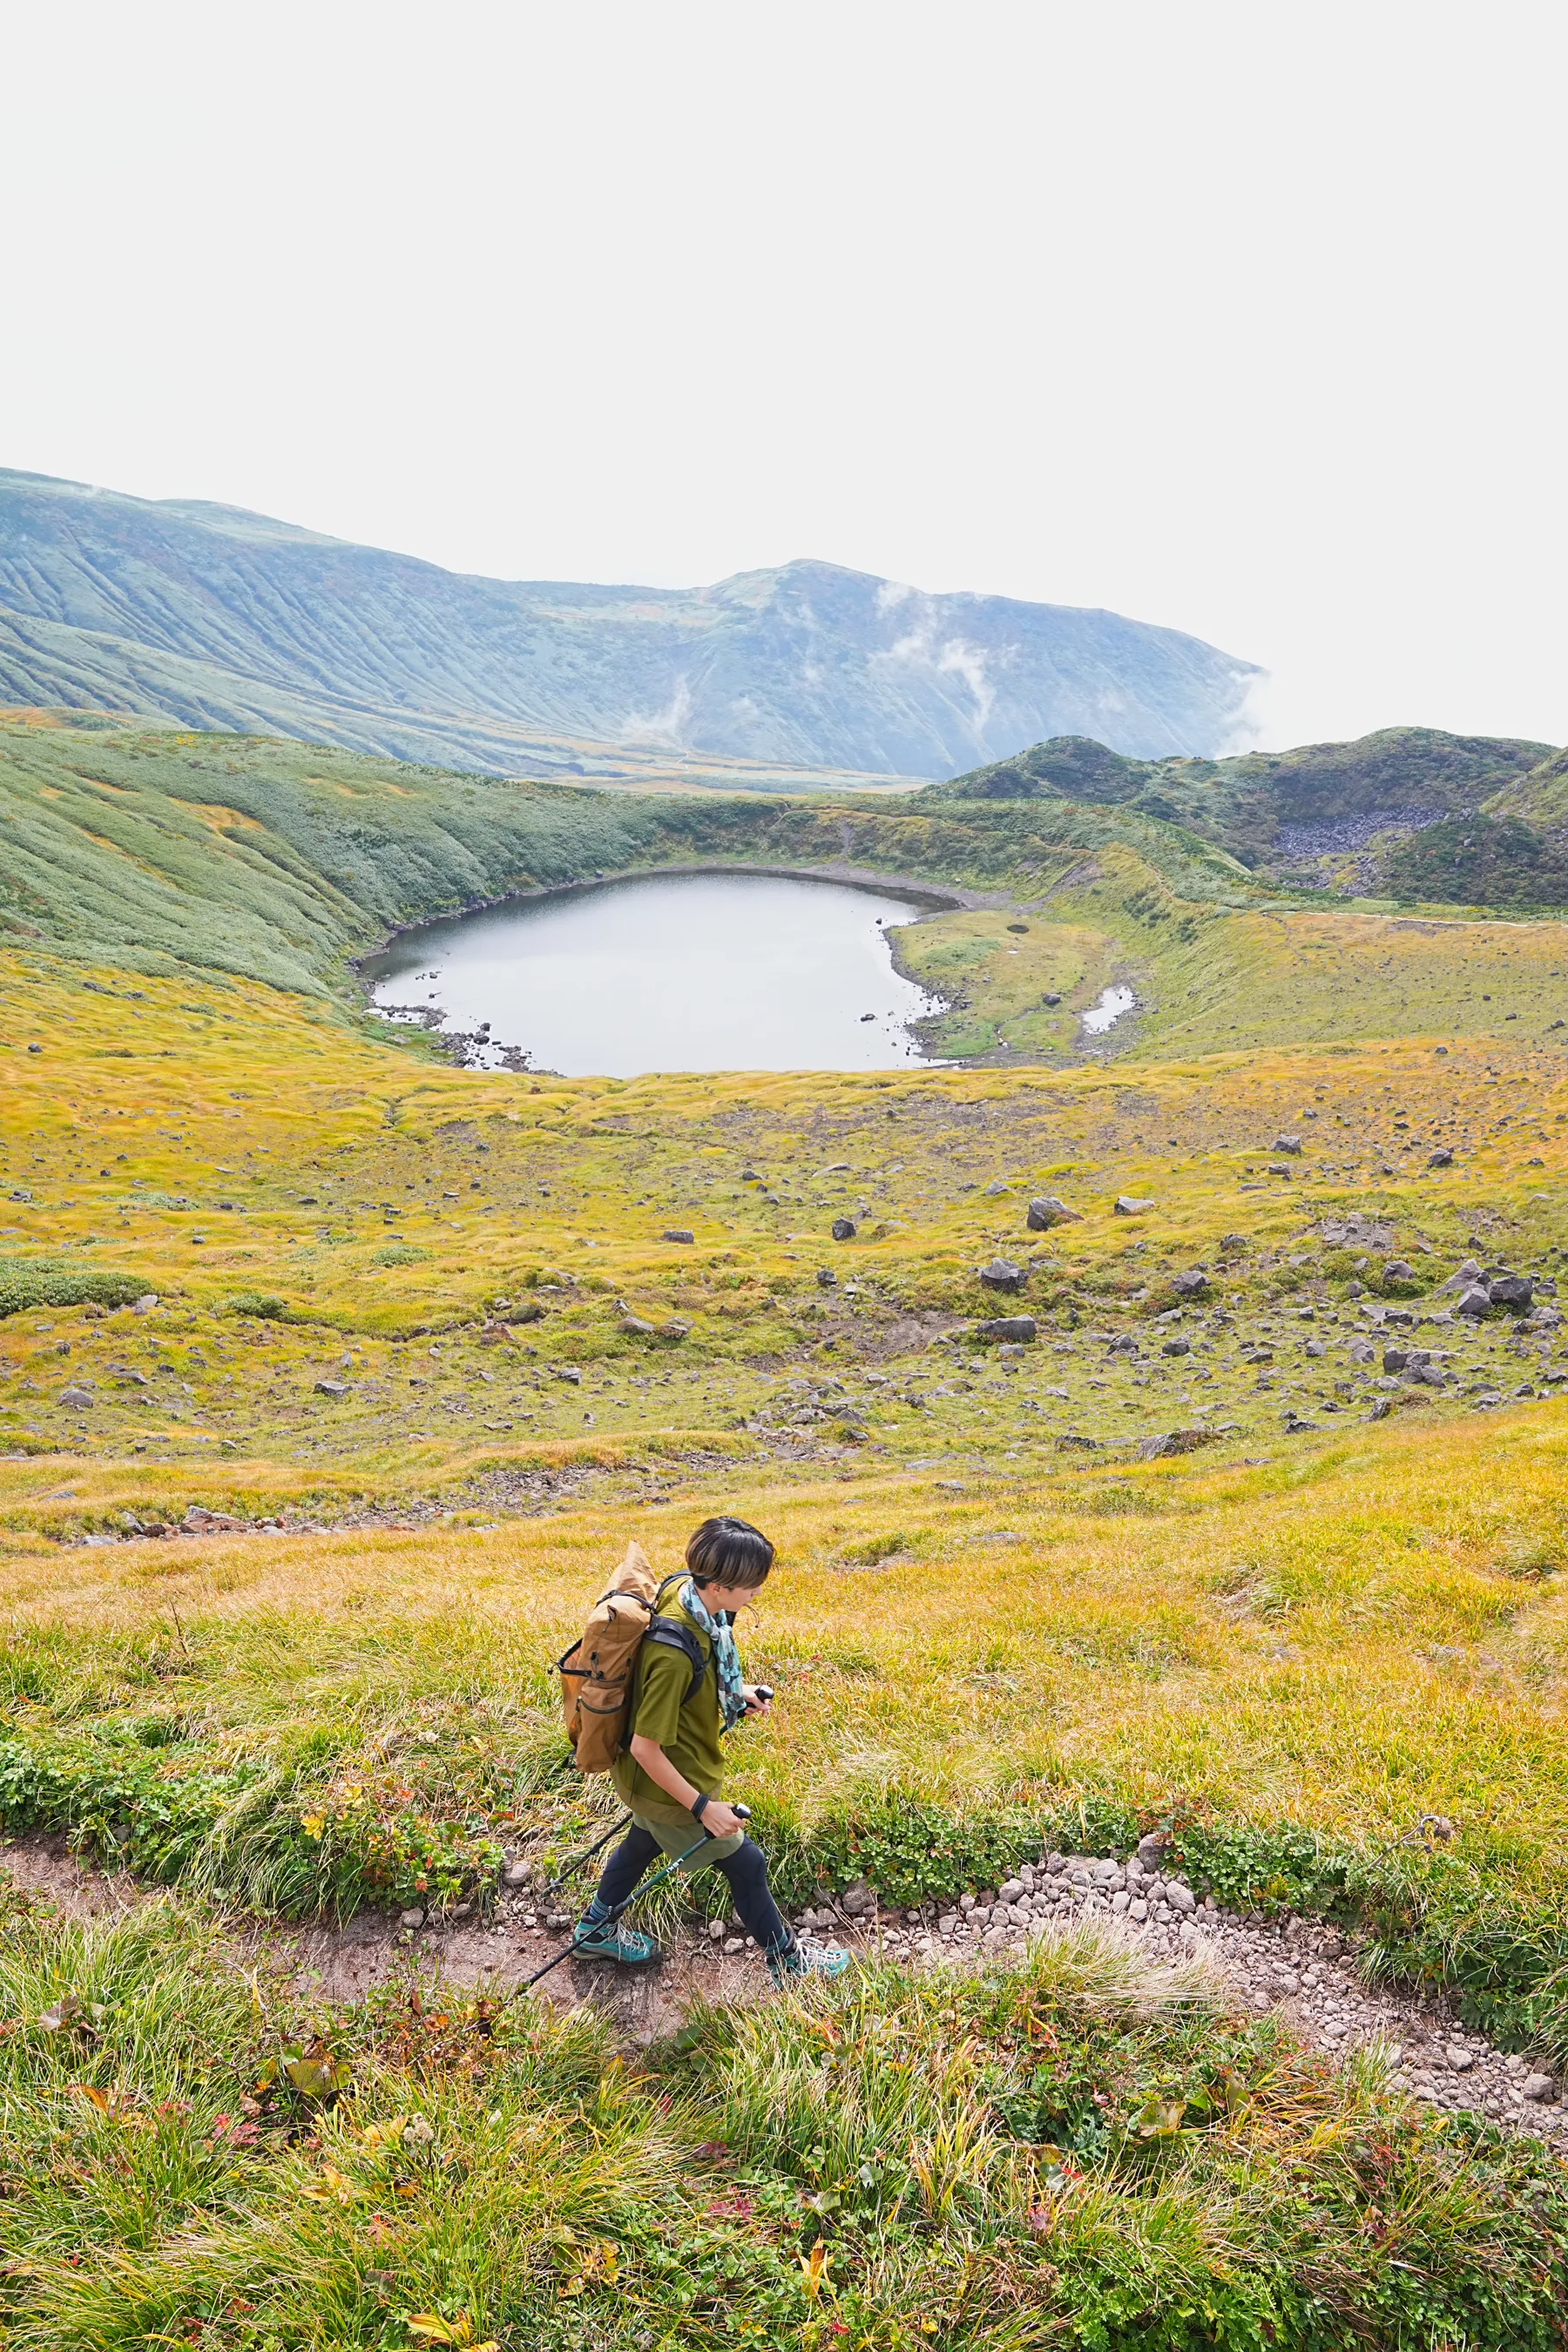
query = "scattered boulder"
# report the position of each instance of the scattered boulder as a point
(1539, 2089)
(145, 1304)
(1441, 1158)
(1048, 1211)
(1474, 1300)
(859, 1900)
(1292, 1143)
(1051, 997)
(825, 1278)
(76, 1397)
(1190, 1284)
(635, 1327)
(1399, 1269)
(674, 1331)
(1016, 1330)
(1174, 1441)
(843, 1229)
(995, 1191)
(1000, 1274)
(1510, 1290)
(1125, 1206)
(200, 1522)
(677, 1234)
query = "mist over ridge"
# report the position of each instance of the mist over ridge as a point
(218, 618)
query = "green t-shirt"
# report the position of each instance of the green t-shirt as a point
(689, 1735)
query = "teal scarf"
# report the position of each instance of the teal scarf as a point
(726, 1657)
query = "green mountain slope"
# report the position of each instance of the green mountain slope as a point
(220, 619)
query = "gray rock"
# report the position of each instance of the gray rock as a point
(1474, 1300)
(518, 1874)
(1125, 1206)
(145, 1304)
(1048, 1211)
(859, 1900)
(1001, 1273)
(843, 1229)
(1443, 1158)
(1459, 2058)
(1180, 1896)
(1177, 1347)
(333, 1387)
(634, 1326)
(1050, 997)
(1292, 1143)
(411, 1918)
(1010, 1890)
(995, 1191)
(1538, 2088)
(1149, 1850)
(1398, 1269)
(1016, 1329)
(825, 1278)
(677, 1234)
(1394, 1359)
(77, 1397)
(1510, 1290)
(1190, 1284)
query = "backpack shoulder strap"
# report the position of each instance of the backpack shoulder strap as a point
(667, 1635)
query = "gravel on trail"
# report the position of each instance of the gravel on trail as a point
(1301, 1968)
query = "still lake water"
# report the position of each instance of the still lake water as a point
(700, 971)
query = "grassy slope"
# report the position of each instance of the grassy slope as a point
(1288, 1646)
(1061, 2155)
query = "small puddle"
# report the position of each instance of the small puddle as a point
(1108, 1007)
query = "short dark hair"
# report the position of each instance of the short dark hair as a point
(729, 1552)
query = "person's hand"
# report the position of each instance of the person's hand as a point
(720, 1820)
(757, 1703)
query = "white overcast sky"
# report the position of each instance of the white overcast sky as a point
(1244, 319)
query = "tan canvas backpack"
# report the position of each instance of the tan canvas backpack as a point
(597, 1671)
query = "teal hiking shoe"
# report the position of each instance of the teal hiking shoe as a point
(606, 1939)
(807, 1958)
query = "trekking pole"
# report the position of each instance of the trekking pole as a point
(741, 1812)
(570, 1869)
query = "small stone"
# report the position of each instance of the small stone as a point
(734, 1944)
(677, 1234)
(1190, 1284)
(1459, 2058)
(1010, 1890)
(1001, 1273)
(1179, 1897)
(843, 1229)
(78, 1399)
(411, 1920)
(333, 1387)
(1541, 2088)
(1125, 1206)
(1440, 1159)
(1292, 1143)
(1017, 1330)
(715, 1931)
(1177, 1347)
(518, 1874)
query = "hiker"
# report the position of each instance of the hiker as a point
(669, 1772)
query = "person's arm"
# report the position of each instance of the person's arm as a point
(717, 1818)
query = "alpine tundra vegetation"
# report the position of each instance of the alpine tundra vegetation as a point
(1161, 1431)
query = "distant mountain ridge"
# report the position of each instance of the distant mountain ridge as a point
(1471, 820)
(218, 618)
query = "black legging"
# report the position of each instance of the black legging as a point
(746, 1871)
